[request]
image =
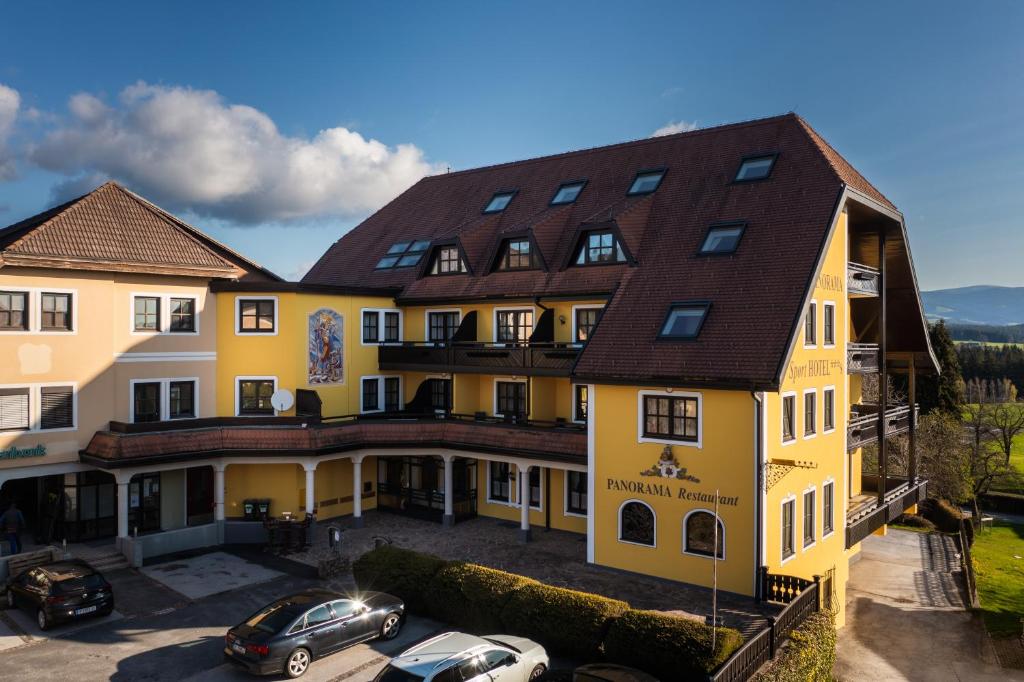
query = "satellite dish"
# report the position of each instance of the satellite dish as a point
(282, 399)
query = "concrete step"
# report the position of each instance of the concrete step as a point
(106, 562)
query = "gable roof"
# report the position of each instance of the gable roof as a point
(756, 293)
(111, 228)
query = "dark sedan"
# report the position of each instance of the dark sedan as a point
(61, 592)
(288, 634)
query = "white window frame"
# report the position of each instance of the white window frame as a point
(824, 390)
(782, 418)
(426, 321)
(718, 519)
(512, 487)
(380, 325)
(618, 517)
(34, 308)
(380, 391)
(257, 334)
(782, 529)
(508, 380)
(498, 309)
(565, 494)
(829, 482)
(814, 303)
(814, 522)
(33, 408)
(640, 438)
(164, 303)
(165, 396)
(35, 412)
(803, 413)
(825, 306)
(575, 312)
(238, 393)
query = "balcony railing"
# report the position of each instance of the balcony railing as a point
(866, 519)
(862, 358)
(861, 280)
(538, 359)
(863, 426)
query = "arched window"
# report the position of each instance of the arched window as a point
(699, 534)
(636, 523)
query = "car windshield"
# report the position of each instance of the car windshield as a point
(273, 618)
(393, 674)
(91, 581)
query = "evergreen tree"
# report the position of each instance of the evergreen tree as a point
(944, 391)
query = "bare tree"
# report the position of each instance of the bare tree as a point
(1007, 420)
(943, 456)
(987, 463)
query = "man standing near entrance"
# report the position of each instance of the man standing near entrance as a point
(11, 522)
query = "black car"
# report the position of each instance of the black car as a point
(61, 592)
(288, 634)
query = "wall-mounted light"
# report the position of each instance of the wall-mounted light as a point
(561, 319)
(668, 390)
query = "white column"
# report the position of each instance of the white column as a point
(357, 492)
(449, 491)
(524, 502)
(218, 492)
(310, 492)
(122, 506)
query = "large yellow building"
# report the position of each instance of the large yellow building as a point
(659, 345)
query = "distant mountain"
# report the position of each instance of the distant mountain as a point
(986, 305)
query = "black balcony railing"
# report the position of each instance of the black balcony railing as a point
(862, 358)
(866, 519)
(863, 427)
(543, 359)
(861, 280)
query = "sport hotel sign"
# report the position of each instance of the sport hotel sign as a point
(19, 453)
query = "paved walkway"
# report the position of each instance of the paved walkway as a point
(906, 619)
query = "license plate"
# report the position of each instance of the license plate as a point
(238, 648)
(87, 609)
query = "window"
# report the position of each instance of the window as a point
(755, 168)
(447, 262)
(371, 395)
(14, 310)
(254, 396)
(579, 403)
(386, 330)
(55, 314)
(810, 421)
(390, 327)
(699, 534)
(14, 409)
(723, 238)
(182, 399)
(586, 320)
(57, 407)
(599, 246)
(147, 313)
(788, 544)
(510, 399)
(829, 409)
(517, 254)
(319, 616)
(403, 254)
(788, 417)
(183, 314)
(576, 492)
(371, 333)
(499, 485)
(513, 326)
(257, 315)
(684, 320)
(534, 487)
(636, 523)
(808, 518)
(442, 325)
(392, 394)
(646, 182)
(146, 397)
(811, 325)
(567, 192)
(829, 324)
(499, 202)
(827, 506)
(343, 608)
(671, 418)
(441, 394)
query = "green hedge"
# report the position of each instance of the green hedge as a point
(566, 621)
(668, 647)
(400, 572)
(914, 521)
(471, 596)
(944, 515)
(810, 654)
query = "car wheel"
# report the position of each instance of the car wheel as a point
(391, 626)
(297, 663)
(41, 620)
(537, 671)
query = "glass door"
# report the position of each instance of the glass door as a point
(144, 503)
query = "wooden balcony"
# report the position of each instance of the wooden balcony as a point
(863, 426)
(861, 280)
(862, 358)
(533, 359)
(864, 519)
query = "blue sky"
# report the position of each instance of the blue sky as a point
(215, 111)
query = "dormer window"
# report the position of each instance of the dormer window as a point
(755, 168)
(448, 261)
(499, 202)
(517, 254)
(403, 254)
(646, 182)
(599, 246)
(567, 193)
(684, 320)
(722, 238)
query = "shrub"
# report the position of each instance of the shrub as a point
(914, 521)
(944, 515)
(564, 621)
(472, 596)
(810, 654)
(969, 534)
(668, 647)
(402, 572)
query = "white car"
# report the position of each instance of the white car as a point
(458, 657)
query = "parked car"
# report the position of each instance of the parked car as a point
(61, 591)
(287, 635)
(458, 657)
(610, 672)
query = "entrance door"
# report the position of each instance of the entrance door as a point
(144, 503)
(90, 509)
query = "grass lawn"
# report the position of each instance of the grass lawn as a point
(1000, 577)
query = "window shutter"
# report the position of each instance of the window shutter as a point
(56, 407)
(13, 409)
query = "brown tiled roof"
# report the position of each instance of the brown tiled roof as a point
(114, 228)
(755, 294)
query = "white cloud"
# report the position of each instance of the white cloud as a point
(673, 127)
(10, 101)
(192, 150)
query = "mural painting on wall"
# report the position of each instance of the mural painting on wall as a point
(326, 347)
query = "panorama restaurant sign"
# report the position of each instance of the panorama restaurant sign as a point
(19, 453)
(668, 467)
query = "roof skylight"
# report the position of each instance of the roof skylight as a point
(646, 182)
(499, 202)
(684, 320)
(755, 168)
(403, 254)
(722, 238)
(567, 192)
